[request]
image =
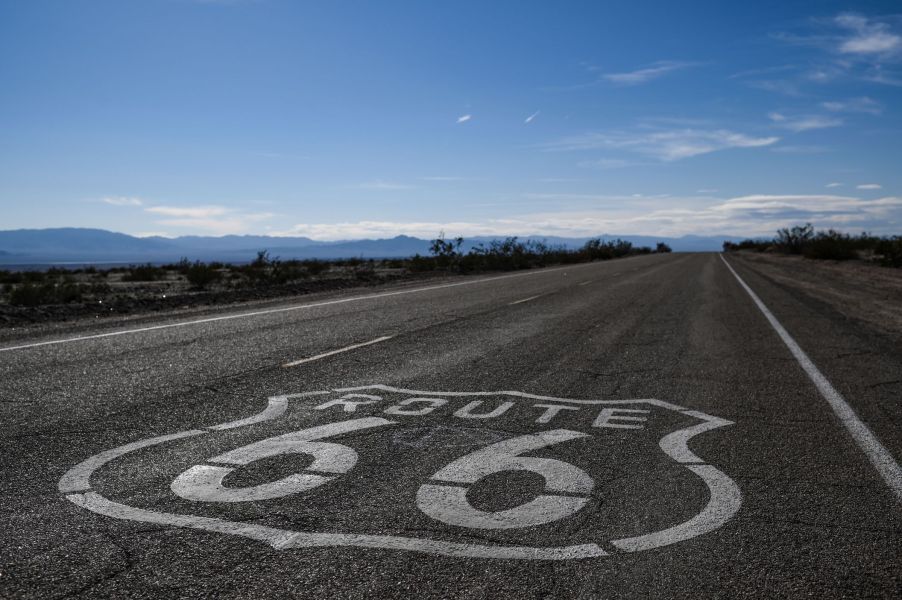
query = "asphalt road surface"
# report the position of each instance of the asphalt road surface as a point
(632, 428)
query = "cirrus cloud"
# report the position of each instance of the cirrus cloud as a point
(664, 145)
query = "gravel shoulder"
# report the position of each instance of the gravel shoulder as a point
(869, 294)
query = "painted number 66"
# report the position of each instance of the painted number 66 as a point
(446, 503)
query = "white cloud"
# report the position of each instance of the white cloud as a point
(744, 215)
(122, 201)
(144, 234)
(653, 71)
(866, 36)
(869, 186)
(855, 105)
(665, 145)
(531, 117)
(191, 212)
(805, 122)
(833, 184)
(707, 191)
(464, 118)
(217, 220)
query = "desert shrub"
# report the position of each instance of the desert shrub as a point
(831, 245)
(146, 272)
(662, 248)
(419, 263)
(315, 267)
(10, 277)
(201, 275)
(289, 270)
(889, 251)
(33, 276)
(598, 249)
(756, 245)
(793, 240)
(29, 294)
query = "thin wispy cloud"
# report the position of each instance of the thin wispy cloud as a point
(805, 122)
(866, 36)
(122, 201)
(464, 118)
(191, 212)
(649, 73)
(664, 145)
(855, 105)
(855, 46)
(833, 184)
(869, 186)
(531, 118)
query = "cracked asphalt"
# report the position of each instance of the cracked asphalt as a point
(422, 494)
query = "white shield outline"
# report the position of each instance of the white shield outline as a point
(724, 501)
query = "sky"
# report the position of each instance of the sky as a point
(341, 120)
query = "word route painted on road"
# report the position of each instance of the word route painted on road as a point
(379, 467)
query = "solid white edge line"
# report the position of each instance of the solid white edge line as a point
(294, 363)
(879, 456)
(290, 308)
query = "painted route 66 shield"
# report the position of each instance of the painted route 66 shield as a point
(505, 475)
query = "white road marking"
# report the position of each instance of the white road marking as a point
(586, 282)
(339, 351)
(723, 503)
(879, 456)
(526, 299)
(270, 311)
(336, 459)
(204, 483)
(280, 539)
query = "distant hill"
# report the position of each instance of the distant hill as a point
(76, 245)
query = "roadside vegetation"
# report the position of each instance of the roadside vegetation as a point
(57, 293)
(827, 245)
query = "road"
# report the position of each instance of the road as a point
(629, 428)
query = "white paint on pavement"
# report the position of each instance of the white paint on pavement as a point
(295, 363)
(204, 483)
(722, 505)
(281, 539)
(567, 486)
(526, 299)
(78, 478)
(879, 456)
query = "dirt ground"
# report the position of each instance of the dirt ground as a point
(856, 289)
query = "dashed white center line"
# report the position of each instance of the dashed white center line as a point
(876, 452)
(295, 363)
(527, 299)
(586, 282)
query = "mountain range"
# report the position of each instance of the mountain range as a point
(97, 246)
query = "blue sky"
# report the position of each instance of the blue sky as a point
(340, 120)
